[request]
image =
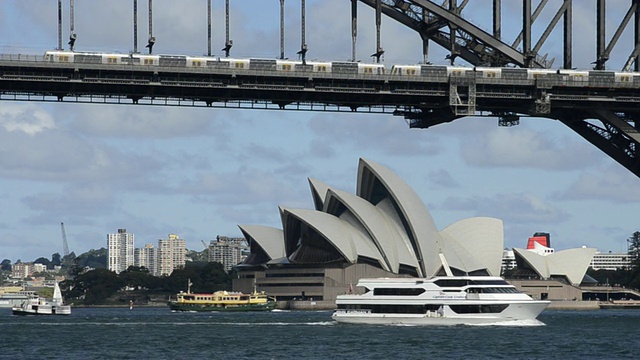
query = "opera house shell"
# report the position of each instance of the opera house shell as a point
(568, 266)
(384, 230)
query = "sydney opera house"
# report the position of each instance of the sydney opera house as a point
(383, 230)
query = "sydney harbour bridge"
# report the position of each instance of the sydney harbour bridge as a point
(505, 78)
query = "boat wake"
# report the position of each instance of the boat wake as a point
(515, 323)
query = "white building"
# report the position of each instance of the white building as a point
(147, 257)
(610, 261)
(227, 251)
(171, 254)
(508, 260)
(121, 251)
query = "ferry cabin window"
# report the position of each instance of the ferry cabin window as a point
(398, 291)
(392, 309)
(478, 309)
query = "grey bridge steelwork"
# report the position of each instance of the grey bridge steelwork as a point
(604, 113)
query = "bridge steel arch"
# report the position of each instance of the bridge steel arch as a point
(616, 133)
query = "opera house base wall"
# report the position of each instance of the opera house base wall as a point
(548, 290)
(573, 305)
(306, 285)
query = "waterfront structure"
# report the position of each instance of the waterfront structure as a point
(227, 251)
(121, 251)
(171, 254)
(384, 230)
(610, 261)
(147, 257)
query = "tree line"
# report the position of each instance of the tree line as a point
(104, 287)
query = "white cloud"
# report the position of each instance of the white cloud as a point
(29, 119)
(525, 147)
(613, 184)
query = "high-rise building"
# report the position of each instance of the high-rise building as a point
(147, 257)
(121, 251)
(227, 251)
(21, 270)
(171, 254)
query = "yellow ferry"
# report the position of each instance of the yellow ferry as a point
(222, 301)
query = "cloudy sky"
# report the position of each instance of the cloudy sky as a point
(200, 172)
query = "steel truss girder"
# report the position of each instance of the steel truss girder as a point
(616, 136)
(471, 43)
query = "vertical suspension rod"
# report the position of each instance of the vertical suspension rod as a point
(59, 24)
(568, 34)
(72, 35)
(636, 36)
(453, 5)
(354, 28)
(282, 29)
(303, 42)
(425, 39)
(208, 27)
(378, 24)
(600, 35)
(526, 31)
(135, 26)
(497, 19)
(152, 39)
(228, 42)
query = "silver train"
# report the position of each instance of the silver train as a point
(586, 78)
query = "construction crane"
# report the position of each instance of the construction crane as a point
(204, 244)
(65, 245)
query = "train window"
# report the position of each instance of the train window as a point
(148, 61)
(368, 70)
(411, 71)
(286, 67)
(239, 65)
(491, 74)
(197, 63)
(64, 58)
(112, 60)
(625, 78)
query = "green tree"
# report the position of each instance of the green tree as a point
(5, 265)
(42, 260)
(92, 287)
(56, 260)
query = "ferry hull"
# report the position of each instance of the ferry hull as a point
(525, 311)
(208, 308)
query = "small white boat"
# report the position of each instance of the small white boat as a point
(443, 300)
(36, 305)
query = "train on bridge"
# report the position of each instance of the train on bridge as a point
(581, 78)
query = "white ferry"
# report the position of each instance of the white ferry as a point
(445, 300)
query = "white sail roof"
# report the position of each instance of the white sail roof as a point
(376, 182)
(269, 239)
(572, 263)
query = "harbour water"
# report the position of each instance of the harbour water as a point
(158, 333)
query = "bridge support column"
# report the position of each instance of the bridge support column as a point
(462, 96)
